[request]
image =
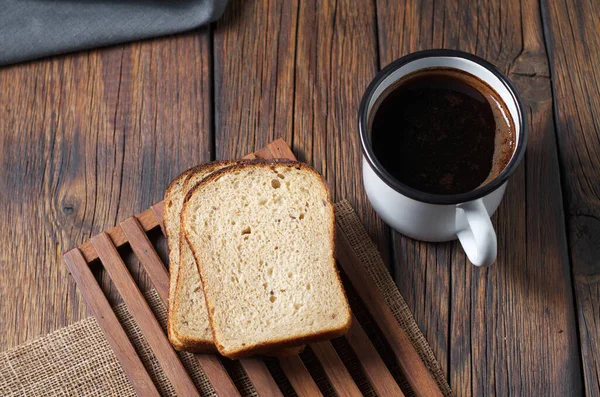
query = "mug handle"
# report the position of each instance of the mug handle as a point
(477, 235)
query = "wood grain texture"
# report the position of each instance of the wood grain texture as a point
(115, 335)
(86, 140)
(143, 316)
(253, 56)
(303, 384)
(334, 368)
(488, 327)
(261, 378)
(572, 30)
(379, 375)
(408, 359)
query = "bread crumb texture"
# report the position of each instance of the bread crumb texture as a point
(263, 235)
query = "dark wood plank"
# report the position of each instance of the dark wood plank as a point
(571, 29)
(143, 316)
(336, 372)
(113, 331)
(409, 361)
(99, 135)
(261, 378)
(487, 325)
(210, 364)
(303, 384)
(254, 46)
(336, 58)
(380, 377)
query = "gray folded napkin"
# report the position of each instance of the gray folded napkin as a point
(36, 28)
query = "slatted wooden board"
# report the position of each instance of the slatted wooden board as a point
(133, 231)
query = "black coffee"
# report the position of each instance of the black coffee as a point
(442, 131)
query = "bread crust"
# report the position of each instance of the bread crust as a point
(173, 273)
(181, 341)
(284, 343)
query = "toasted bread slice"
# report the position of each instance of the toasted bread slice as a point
(262, 234)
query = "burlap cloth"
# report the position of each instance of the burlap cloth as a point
(78, 361)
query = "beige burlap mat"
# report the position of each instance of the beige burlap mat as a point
(78, 361)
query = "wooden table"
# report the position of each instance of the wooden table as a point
(88, 139)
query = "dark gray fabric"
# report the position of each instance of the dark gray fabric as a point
(35, 28)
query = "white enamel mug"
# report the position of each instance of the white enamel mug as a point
(431, 217)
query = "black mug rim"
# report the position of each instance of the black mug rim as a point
(365, 140)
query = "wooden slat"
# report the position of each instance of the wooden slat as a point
(336, 372)
(143, 316)
(158, 210)
(380, 377)
(277, 149)
(264, 153)
(261, 378)
(299, 377)
(217, 375)
(114, 333)
(412, 367)
(210, 364)
(280, 150)
(148, 221)
(143, 249)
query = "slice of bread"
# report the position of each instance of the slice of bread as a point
(263, 237)
(188, 326)
(173, 203)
